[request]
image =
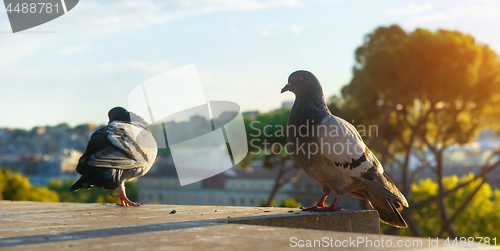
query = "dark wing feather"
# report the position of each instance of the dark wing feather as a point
(382, 184)
(111, 157)
(98, 142)
(385, 207)
(102, 152)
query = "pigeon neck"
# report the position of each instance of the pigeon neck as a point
(138, 120)
(312, 106)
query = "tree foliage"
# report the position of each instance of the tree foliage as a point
(14, 186)
(480, 218)
(290, 202)
(444, 83)
(426, 91)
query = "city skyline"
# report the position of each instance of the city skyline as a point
(75, 68)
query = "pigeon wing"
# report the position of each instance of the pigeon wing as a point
(115, 146)
(344, 148)
(98, 142)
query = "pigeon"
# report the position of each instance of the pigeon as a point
(331, 151)
(117, 153)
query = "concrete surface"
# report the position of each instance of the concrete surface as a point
(366, 221)
(49, 226)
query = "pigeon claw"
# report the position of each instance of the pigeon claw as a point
(309, 208)
(320, 209)
(327, 209)
(320, 206)
(126, 203)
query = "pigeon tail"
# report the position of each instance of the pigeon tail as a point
(75, 187)
(386, 209)
(107, 178)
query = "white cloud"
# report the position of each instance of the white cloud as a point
(67, 50)
(485, 11)
(431, 17)
(418, 13)
(297, 29)
(426, 13)
(95, 20)
(111, 68)
(101, 18)
(267, 30)
(17, 47)
(409, 9)
(265, 33)
(95, 72)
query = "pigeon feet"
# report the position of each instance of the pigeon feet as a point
(320, 207)
(309, 208)
(326, 209)
(124, 201)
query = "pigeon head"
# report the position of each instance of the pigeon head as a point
(118, 114)
(121, 114)
(303, 83)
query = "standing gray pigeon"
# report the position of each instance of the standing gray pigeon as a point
(331, 151)
(116, 153)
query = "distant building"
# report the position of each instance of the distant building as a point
(60, 167)
(44, 153)
(458, 159)
(234, 187)
(25, 164)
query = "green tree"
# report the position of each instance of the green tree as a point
(291, 202)
(426, 91)
(14, 186)
(480, 218)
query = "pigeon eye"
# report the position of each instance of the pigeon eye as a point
(301, 78)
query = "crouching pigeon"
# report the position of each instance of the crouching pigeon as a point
(116, 153)
(331, 151)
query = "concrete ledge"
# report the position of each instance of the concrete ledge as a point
(95, 215)
(58, 226)
(366, 221)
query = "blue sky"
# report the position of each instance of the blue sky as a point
(244, 50)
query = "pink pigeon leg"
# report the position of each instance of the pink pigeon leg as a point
(320, 204)
(124, 201)
(333, 207)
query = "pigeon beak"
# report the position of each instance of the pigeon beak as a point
(286, 88)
